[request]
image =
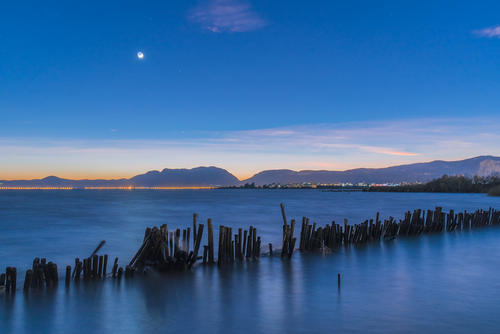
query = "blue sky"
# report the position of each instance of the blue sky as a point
(219, 76)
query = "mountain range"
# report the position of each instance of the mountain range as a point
(214, 176)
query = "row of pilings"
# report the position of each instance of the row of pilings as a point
(332, 236)
(167, 251)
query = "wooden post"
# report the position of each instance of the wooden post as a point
(84, 267)
(195, 216)
(258, 247)
(101, 260)
(249, 242)
(240, 237)
(338, 280)
(68, 274)
(205, 254)
(270, 249)
(105, 265)
(120, 272)
(115, 267)
(27, 279)
(171, 243)
(292, 247)
(78, 270)
(13, 282)
(98, 247)
(243, 252)
(220, 257)
(176, 241)
(254, 243)
(197, 242)
(210, 242)
(8, 279)
(95, 265)
(283, 213)
(184, 240)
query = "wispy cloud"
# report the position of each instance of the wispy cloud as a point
(491, 32)
(227, 16)
(317, 146)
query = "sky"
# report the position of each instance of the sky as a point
(244, 85)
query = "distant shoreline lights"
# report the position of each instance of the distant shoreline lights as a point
(106, 188)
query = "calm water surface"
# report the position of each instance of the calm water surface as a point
(445, 283)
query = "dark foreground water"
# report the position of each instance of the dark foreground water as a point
(446, 283)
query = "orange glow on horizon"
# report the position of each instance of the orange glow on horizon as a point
(241, 175)
(13, 176)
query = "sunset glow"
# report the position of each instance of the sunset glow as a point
(244, 153)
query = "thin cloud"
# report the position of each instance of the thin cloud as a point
(491, 32)
(388, 151)
(227, 16)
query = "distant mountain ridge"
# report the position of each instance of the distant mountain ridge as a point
(418, 172)
(214, 176)
(195, 177)
(200, 176)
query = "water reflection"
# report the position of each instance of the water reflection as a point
(431, 284)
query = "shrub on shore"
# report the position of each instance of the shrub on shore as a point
(495, 191)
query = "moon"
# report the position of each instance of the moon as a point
(140, 55)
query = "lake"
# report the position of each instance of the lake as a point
(434, 283)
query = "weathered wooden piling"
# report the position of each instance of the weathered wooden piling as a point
(10, 279)
(197, 242)
(240, 244)
(287, 238)
(98, 248)
(205, 254)
(27, 280)
(68, 275)
(78, 269)
(53, 276)
(195, 217)
(120, 273)
(95, 265)
(13, 283)
(413, 224)
(101, 260)
(115, 268)
(105, 265)
(283, 215)
(7, 279)
(244, 249)
(249, 242)
(210, 242)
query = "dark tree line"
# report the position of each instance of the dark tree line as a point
(451, 184)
